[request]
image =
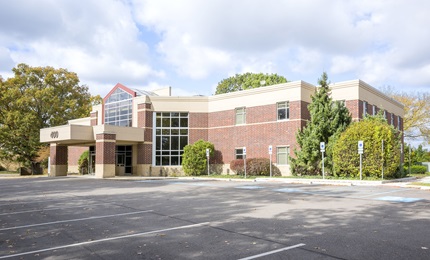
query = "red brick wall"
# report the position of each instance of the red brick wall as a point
(198, 127)
(74, 153)
(261, 130)
(355, 108)
(58, 155)
(105, 149)
(144, 153)
(94, 116)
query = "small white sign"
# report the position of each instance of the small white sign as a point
(322, 147)
(270, 149)
(244, 150)
(360, 147)
(207, 152)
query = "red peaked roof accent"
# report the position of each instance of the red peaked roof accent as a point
(121, 86)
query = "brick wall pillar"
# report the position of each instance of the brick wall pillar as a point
(58, 160)
(94, 118)
(105, 155)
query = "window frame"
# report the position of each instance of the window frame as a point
(364, 109)
(237, 155)
(286, 153)
(240, 113)
(171, 135)
(286, 108)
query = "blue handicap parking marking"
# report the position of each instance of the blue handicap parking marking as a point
(249, 187)
(290, 190)
(398, 199)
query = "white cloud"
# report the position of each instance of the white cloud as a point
(178, 43)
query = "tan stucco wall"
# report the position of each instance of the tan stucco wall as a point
(359, 90)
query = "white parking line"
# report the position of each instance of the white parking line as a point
(272, 252)
(74, 220)
(104, 240)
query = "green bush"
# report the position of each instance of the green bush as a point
(194, 160)
(254, 167)
(415, 169)
(371, 130)
(83, 162)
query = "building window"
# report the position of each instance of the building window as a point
(283, 110)
(398, 122)
(392, 119)
(364, 109)
(374, 110)
(118, 108)
(240, 116)
(385, 114)
(282, 153)
(239, 153)
(171, 136)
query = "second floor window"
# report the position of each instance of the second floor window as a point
(283, 110)
(240, 116)
(118, 108)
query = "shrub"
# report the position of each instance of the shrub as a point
(254, 167)
(83, 162)
(416, 169)
(237, 166)
(194, 160)
(372, 130)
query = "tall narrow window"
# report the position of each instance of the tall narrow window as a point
(283, 110)
(171, 136)
(373, 110)
(239, 153)
(398, 122)
(282, 153)
(364, 109)
(240, 116)
(392, 119)
(385, 114)
(118, 108)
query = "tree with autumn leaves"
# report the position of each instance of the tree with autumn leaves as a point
(35, 98)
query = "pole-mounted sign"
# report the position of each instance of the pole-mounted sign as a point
(244, 159)
(207, 156)
(322, 149)
(360, 152)
(270, 155)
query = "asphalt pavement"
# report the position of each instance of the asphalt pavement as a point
(85, 218)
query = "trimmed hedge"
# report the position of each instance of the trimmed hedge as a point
(254, 167)
(416, 169)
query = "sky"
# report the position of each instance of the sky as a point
(191, 45)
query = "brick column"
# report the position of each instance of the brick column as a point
(94, 118)
(105, 155)
(58, 155)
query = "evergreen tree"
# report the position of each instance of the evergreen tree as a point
(327, 120)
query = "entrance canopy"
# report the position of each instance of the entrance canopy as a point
(83, 134)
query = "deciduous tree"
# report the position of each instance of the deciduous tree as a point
(247, 81)
(416, 121)
(35, 98)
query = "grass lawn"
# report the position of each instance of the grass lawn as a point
(8, 172)
(420, 183)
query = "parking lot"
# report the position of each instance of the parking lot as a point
(84, 218)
